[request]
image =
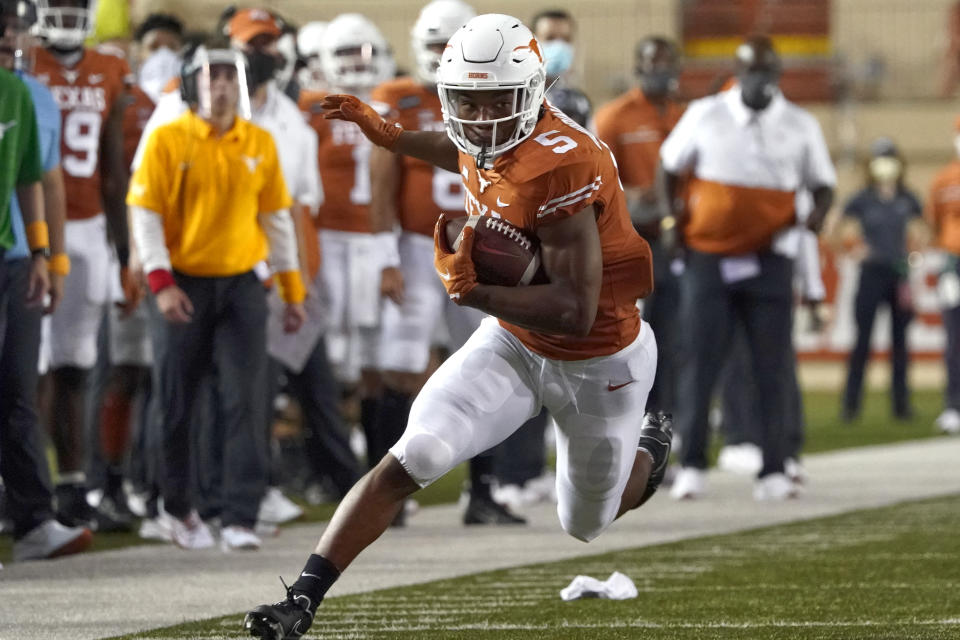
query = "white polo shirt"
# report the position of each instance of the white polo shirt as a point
(747, 167)
(296, 142)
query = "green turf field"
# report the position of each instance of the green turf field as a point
(880, 574)
(824, 433)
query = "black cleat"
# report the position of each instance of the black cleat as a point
(486, 511)
(73, 510)
(286, 620)
(656, 434)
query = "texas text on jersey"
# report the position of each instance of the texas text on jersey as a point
(425, 191)
(557, 172)
(344, 163)
(85, 93)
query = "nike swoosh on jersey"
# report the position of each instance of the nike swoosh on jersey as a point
(6, 126)
(95, 78)
(501, 203)
(444, 275)
(614, 387)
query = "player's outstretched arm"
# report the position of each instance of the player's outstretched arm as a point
(430, 146)
(567, 305)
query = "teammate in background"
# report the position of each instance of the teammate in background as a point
(28, 158)
(355, 58)
(742, 193)
(943, 215)
(89, 87)
(634, 126)
(310, 45)
(414, 193)
(576, 345)
(554, 30)
(199, 242)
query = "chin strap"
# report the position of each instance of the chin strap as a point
(482, 157)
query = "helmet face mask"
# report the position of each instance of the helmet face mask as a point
(435, 25)
(65, 24)
(354, 54)
(491, 83)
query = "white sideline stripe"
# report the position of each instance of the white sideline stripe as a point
(593, 185)
(564, 204)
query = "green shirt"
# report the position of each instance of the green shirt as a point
(20, 161)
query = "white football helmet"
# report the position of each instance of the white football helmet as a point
(65, 24)
(355, 55)
(492, 52)
(309, 44)
(437, 22)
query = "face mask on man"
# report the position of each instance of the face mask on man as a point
(657, 84)
(758, 88)
(886, 169)
(558, 57)
(263, 66)
(157, 71)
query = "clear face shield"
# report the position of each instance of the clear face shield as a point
(17, 40)
(486, 122)
(221, 83)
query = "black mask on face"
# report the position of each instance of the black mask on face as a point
(658, 84)
(758, 88)
(262, 67)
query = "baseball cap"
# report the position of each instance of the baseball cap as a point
(249, 23)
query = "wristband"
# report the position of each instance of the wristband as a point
(387, 248)
(160, 279)
(59, 264)
(38, 236)
(290, 286)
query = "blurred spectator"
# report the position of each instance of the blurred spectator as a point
(742, 193)
(205, 286)
(555, 29)
(879, 215)
(30, 155)
(943, 214)
(634, 126)
(950, 65)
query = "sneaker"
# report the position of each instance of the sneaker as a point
(50, 539)
(486, 511)
(73, 510)
(542, 489)
(744, 459)
(286, 620)
(159, 528)
(236, 538)
(689, 484)
(656, 435)
(795, 471)
(511, 495)
(191, 532)
(775, 487)
(949, 421)
(278, 508)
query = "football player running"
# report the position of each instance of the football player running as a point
(355, 58)
(415, 193)
(89, 86)
(575, 345)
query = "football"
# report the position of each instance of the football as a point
(503, 254)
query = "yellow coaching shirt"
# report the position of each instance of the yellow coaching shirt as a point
(208, 190)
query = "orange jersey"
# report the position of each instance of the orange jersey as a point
(558, 171)
(634, 129)
(136, 112)
(425, 191)
(344, 163)
(85, 94)
(943, 208)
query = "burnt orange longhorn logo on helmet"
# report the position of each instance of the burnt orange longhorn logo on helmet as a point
(532, 46)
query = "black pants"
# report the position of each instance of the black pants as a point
(710, 307)
(23, 463)
(523, 456)
(661, 310)
(951, 355)
(741, 404)
(326, 438)
(227, 333)
(879, 283)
